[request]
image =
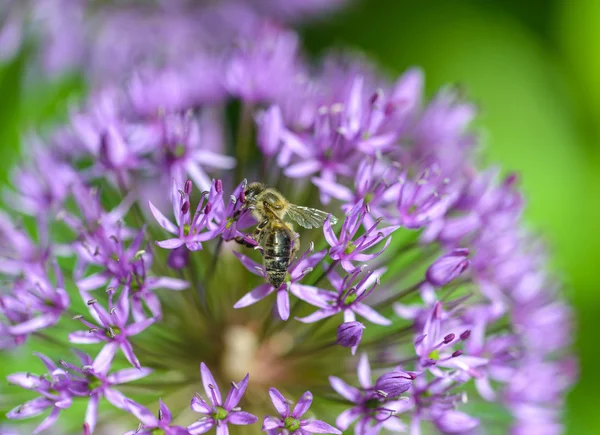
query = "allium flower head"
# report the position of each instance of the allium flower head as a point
(132, 220)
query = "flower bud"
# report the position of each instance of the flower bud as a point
(179, 258)
(394, 383)
(349, 334)
(448, 267)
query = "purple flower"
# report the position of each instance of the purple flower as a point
(113, 327)
(394, 383)
(290, 422)
(264, 65)
(370, 189)
(54, 389)
(218, 413)
(212, 218)
(345, 250)
(435, 345)
(149, 424)
(296, 271)
(425, 199)
(93, 380)
(347, 299)
(448, 267)
(349, 334)
(183, 153)
(34, 303)
(371, 408)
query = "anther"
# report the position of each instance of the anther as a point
(219, 186)
(234, 385)
(465, 335)
(92, 301)
(77, 317)
(457, 353)
(448, 338)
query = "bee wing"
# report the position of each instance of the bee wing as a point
(308, 217)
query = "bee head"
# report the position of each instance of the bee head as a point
(252, 191)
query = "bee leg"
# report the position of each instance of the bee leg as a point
(242, 241)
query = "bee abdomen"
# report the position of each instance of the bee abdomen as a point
(276, 269)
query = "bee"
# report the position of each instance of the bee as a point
(275, 236)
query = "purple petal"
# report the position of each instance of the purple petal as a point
(127, 375)
(456, 422)
(92, 282)
(104, 359)
(201, 427)
(303, 405)
(345, 390)
(236, 393)
(170, 243)
(200, 406)
(346, 418)
(123, 305)
(334, 189)
(312, 295)
(210, 385)
(138, 327)
(251, 265)
(127, 349)
(29, 409)
(272, 423)
(222, 429)
(24, 380)
(364, 371)
(318, 426)
(279, 402)
(164, 412)
(46, 361)
(168, 283)
(241, 418)
(370, 314)
(283, 304)
(302, 169)
(116, 398)
(48, 421)
(142, 413)
(83, 337)
(317, 315)
(35, 324)
(254, 296)
(162, 220)
(91, 413)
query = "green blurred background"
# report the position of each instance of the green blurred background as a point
(534, 69)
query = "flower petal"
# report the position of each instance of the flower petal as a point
(140, 412)
(91, 413)
(345, 390)
(162, 219)
(104, 359)
(280, 402)
(201, 427)
(235, 394)
(303, 405)
(283, 304)
(241, 418)
(370, 314)
(272, 423)
(346, 418)
(48, 421)
(364, 371)
(170, 243)
(210, 385)
(318, 426)
(254, 296)
(128, 375)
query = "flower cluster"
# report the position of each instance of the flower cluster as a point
(133, 220)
